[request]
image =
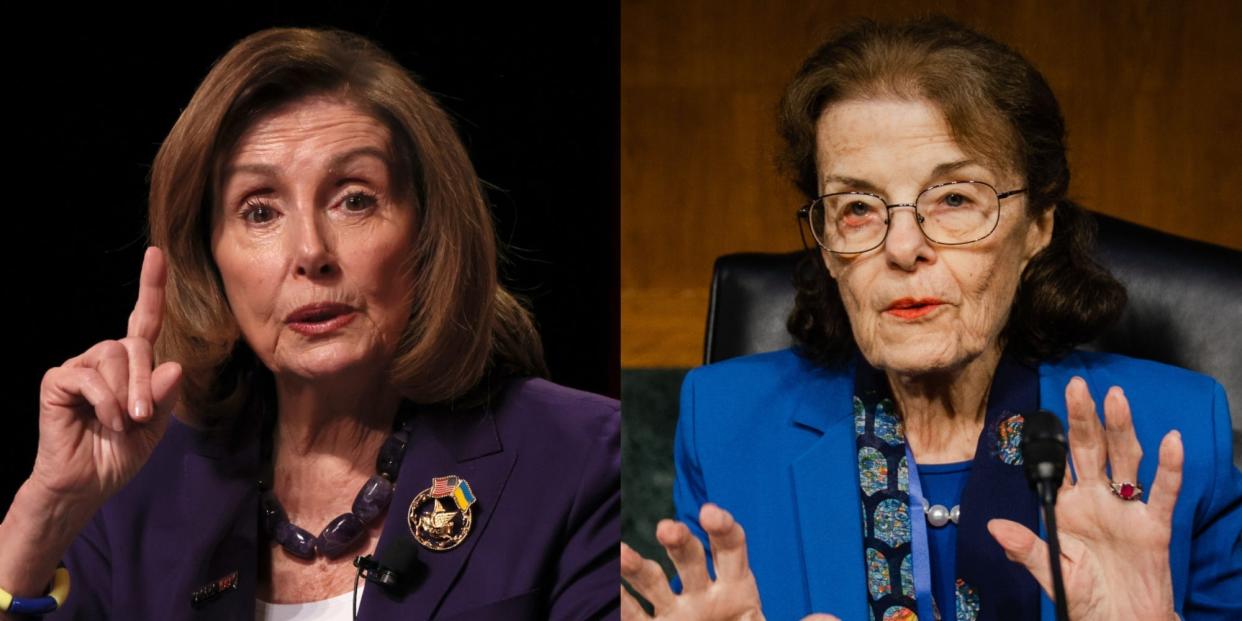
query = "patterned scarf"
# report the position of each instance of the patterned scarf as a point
(989, 586)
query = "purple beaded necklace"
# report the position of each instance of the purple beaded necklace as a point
(344, 530)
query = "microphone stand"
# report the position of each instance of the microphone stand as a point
(1048, 500)
(1043, 453)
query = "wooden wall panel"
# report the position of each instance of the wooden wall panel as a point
(1150, 92)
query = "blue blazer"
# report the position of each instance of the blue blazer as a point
(543, 463)
(770, 438)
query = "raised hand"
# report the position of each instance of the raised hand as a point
(733, 595)
(1114, 552)
(102, 413)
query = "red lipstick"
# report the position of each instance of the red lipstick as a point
(913, 308)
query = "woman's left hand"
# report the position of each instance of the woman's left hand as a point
(1114, 552)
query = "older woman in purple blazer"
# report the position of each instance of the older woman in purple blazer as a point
(320, 308)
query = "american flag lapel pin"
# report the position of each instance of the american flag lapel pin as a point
(441, 515)
(213, 590)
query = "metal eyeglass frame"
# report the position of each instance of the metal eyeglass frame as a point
(804, 214)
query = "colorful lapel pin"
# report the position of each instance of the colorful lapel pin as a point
(213, 590)
(441, 515)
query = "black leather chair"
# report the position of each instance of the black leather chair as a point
(1185, 305)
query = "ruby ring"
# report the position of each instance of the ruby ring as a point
(1126, 490)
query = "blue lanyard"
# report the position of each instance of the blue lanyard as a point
(921, 552)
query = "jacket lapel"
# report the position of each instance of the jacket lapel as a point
(465, 444)
(829, 517)
(219, 525)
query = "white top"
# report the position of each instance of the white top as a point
(339, 608)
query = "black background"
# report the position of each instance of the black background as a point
(533, 90)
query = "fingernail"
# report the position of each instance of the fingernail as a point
(140, 410)
(119, 425)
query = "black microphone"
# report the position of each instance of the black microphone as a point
(1043, 457)
(393, 567)
(1043, 453)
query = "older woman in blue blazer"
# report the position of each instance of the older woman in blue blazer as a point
(877, 467)
(321, 310)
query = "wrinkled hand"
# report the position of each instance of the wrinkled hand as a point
(733, 595)
(102, 413)
(1114, 553)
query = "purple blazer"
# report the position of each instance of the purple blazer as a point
(544, 464)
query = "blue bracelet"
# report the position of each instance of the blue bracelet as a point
(38, 605)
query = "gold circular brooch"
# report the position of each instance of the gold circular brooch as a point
(441, 515)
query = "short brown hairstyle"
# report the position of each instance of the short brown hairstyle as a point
(463, 323)
(998, 108)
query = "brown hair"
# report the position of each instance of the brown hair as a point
(998, 108)
(463, 323)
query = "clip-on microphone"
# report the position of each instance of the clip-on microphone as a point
(392, 567)
(1043, 457)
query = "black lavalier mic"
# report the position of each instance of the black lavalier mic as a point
(1043, 458)
(394, 566)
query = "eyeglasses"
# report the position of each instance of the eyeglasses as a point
(950, 214)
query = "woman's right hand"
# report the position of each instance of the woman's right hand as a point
(733, 595)
(102, 413)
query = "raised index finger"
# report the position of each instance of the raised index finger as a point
(148, 313)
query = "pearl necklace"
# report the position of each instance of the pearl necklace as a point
(939, 515)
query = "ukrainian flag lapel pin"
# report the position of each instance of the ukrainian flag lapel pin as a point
(441, 515)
